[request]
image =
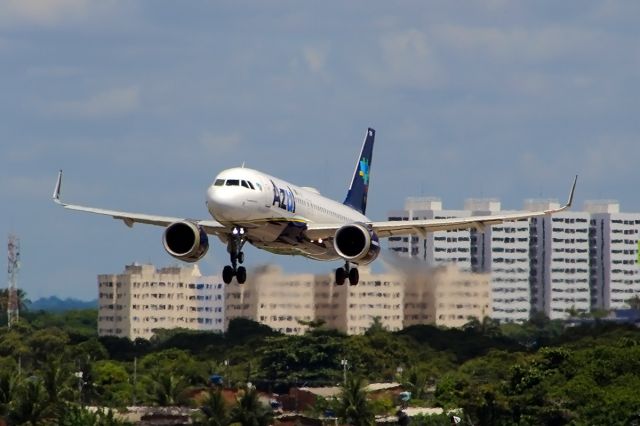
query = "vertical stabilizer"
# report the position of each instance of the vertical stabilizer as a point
(357, 195)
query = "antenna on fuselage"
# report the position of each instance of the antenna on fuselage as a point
(242, 165)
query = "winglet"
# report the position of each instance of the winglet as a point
(569, 201)
(573, 190)
(56, 190)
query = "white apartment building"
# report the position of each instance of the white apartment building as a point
(446, 296)
(503, 252)
(559, 261)
(141, 299)
(615, 273)
(272, 298)
(438, 248)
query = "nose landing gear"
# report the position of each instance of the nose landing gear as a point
(234, 247)
(347, 272)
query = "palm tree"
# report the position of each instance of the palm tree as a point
(416, 381)
(354, 408)
(168, 390)
(31, 406)
(213, 411)
(8, 386)
(23, 301)
(75, 415)
(55, 379)
(250, 412)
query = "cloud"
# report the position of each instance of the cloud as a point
(112, 102)
(516, 43)
(25, 187)
(315, 58)
(54, 71)
(408, 61)
(42, 12)
(213, 144)
(598, 160)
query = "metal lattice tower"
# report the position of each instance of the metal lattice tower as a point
(13, 261)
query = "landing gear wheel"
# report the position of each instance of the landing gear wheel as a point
(241, 275)
(341, 275)
(354, 276)
(241, 257)
(227, 274)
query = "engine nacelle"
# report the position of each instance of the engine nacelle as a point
(355, 242)
(185, 241)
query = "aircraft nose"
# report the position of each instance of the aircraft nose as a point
(221, 202)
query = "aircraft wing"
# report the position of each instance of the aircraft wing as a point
(422, 227)
(210, 226)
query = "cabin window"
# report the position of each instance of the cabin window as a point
(233, 182)
(219, 182)
(245, 184)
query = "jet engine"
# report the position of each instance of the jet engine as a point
(357, 243)
(185, 241)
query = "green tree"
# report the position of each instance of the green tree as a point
(48, 342)
(213, 411)
(112, 383)
(75, 415)
(31, 406)
(416, 381)
(8, 385)
(23, 300)
(313, 357)
(56, 381)
(353, 407)
(168, 390)
(250, 411)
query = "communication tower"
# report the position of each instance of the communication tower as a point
(13, 261)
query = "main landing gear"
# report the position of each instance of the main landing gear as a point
(234, 247)
(347, 272)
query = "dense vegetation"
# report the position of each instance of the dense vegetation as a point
(537, 373)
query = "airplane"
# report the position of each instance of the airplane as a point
(249, 206)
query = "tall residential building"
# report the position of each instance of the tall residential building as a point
(446, 296)
(559, 247)
(141, 299)
(613, 237)
(503, 252)
(352, 309)
(436, 248)
(272, 298)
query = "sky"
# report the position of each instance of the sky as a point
(142, 103)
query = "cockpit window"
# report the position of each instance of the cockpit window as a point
(219, 182)
(250, 185)
(259, 186)
(233, 182)
(244, 183)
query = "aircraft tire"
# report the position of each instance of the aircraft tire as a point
(354, 276)
(227, 274)
(241, 275)
(341, 275)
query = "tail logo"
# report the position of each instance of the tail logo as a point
(364, 170)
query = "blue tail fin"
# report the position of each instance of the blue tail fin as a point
(357, 195)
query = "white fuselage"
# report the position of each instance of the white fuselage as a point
(270, 210)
